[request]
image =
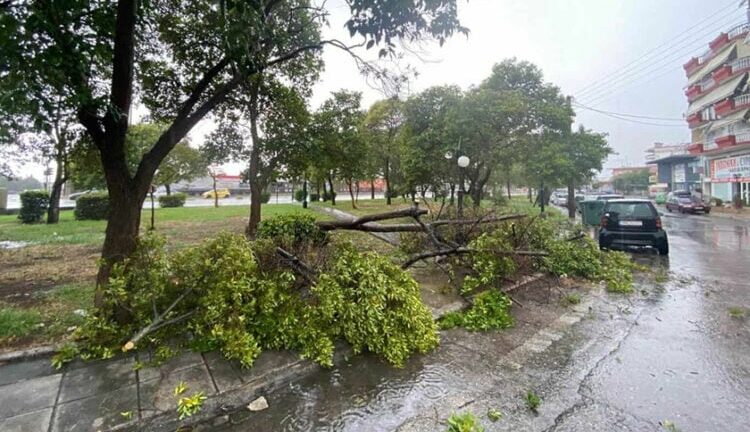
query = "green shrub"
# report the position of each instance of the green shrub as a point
(235, 303)
(375, 306)
(291, 230)
(299, 195)
(265, 197)
(34, 204)
(488, 263)
(92, 206)
(718, 202)
(491, 310)
(314, 197)
(174, 200)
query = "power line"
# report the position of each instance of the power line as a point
(667, 43)
(693, 41)
(632, 120)
(580, 105)
(668, 63)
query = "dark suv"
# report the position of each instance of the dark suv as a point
(632, 222)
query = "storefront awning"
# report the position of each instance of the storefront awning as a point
(728, 120)
(722, 92)
(712, 64)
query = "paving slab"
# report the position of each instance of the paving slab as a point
(29, 395)
(30, 422)
(158, 394)
(23, 370)
(97, 378)
(185, 360)
(98, 412)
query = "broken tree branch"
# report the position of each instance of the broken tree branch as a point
(365, 221)
(462, 251)
(297, 265)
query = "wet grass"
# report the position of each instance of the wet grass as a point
(51, 317)
(572, 299)
(737, 312)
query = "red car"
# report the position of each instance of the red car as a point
(684, 202)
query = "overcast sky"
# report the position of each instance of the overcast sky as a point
(613, 55)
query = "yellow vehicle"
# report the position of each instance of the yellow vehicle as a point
(221, 193)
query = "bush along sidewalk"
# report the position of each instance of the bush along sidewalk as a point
(33, 206)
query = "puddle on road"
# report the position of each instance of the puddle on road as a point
(366, 394)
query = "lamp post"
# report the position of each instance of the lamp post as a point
(462, 162)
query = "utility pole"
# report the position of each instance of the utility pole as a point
(571, 204)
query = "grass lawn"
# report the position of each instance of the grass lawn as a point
(46, 287)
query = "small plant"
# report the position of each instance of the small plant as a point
(180, 388)
(466, 422)
(494, 415)
(191, 405)
(737, 312)
(491, 310)
(532, 401)
(164, 353)
(127, 415)
(661, 275)
(65, 355)
(92, 206)
(299, 195)
(669, 426)
(572, 298)
(171, 201)
(33, 205)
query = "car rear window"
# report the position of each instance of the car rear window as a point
(630, 210)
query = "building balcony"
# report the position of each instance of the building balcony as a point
(722, 74)
(693, 91)
(694, 120)
(695, 149)
(725, 141)
(724, 107)
(719, 42)
(691, 66)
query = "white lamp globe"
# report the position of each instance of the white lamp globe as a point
(463, 161)
(448, 155)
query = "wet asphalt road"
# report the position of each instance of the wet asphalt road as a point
(669, 357)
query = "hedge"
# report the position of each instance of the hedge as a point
(174, 200)
(92, 206)
(34, 204)
(265, 197)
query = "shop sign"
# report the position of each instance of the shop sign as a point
(734, 169)
(679, 173)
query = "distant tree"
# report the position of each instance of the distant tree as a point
(339, 146)
(20, 184)
(632, 181)
(381, 127)
(428, 133)
(584, 153)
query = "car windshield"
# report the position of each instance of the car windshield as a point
(626, 210)
(684, 199)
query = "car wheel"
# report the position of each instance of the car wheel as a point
(669, 209)
(663, 249)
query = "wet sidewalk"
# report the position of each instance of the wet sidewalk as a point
(120, 394)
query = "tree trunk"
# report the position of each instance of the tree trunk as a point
(453, 194)
(304, 193)
(372, 189)
(541, 196)
(317, 188)
(121, 234)
(256, 186)
(255, 208)
(351, 193)
(168, 188)
(387, 181)
(530, 194)
(53, 211)
(216, 194)
(507, 185)
(333, 193)
(571, 201)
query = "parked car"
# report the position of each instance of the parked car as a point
(595, 197)
(221, 193)
(560, 198)
(685, 202)
(632, 223)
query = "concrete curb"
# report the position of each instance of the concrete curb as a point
(27, 354)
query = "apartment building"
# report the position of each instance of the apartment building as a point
(718, 96)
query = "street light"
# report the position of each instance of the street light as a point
(462, 162)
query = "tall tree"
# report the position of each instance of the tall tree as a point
(339, 144)
(498, 118)
(268, 128)
(381, 130)
(188, 58)
(585, 152)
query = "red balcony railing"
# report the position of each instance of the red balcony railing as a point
(719, 42)
(725, 141)
(722, 73)
(724, 107)
(693, 91)
(694, 119)
(695, 149)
